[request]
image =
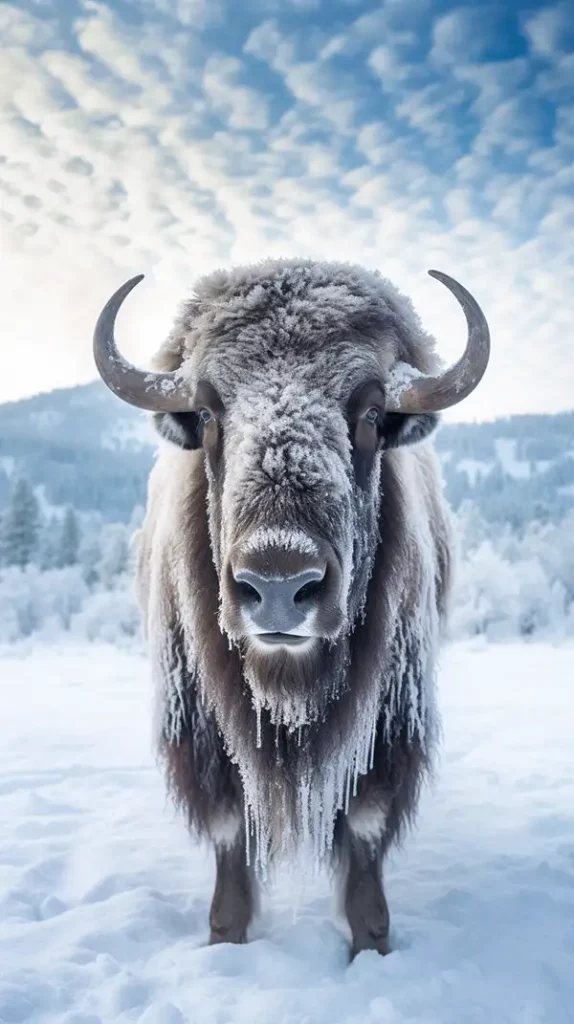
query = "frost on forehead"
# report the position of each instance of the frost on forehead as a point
(293, 305)
(284, 444)
(281, 422)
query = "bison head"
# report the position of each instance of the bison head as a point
(294, 377)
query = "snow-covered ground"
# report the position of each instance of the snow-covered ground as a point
(104, 900)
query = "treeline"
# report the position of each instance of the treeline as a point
(513, 583)
(48, 540)
(516, 470)
(64, 573)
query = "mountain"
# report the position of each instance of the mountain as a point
(83, 447)
(515, 469)
(78, 446)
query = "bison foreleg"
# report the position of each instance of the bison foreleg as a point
(234, 898)
(361, 843)
(364, 900)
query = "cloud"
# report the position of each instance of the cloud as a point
(386, 62)
(463, 35)
(492, 82)
(310, 82)
(242, 106)
(428, 111)
(275, 6)
(190, 13)
(172, 142)
(550, 31)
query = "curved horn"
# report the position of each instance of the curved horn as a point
(411, 391)
(156, 392)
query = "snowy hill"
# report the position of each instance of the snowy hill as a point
(83, 447)
(515, 470)
(78, 446)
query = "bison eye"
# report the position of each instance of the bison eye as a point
(372, 415)
(204, 415)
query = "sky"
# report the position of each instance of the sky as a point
(172, 137)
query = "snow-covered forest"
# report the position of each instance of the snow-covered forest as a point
(73, 469)
(62, 573)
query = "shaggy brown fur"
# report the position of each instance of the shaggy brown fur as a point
(212, 741)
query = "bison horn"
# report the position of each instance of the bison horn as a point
(156, 392)
(410, 391)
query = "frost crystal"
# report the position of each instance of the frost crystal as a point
(291, 540)
(401, 376)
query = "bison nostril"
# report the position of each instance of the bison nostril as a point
(309, 591)
(247, 593)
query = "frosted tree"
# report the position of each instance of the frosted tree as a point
(48, 543)
(89, 557)
(471, 527)
(69, 539)
(21, 525)
(115, 558)
(3, 517)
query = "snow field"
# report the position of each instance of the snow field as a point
(104, 899)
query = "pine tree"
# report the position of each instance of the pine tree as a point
(21, 525)
(89, 557)
(3, 522)
(49, 543)
(69, 539)
(115, 553)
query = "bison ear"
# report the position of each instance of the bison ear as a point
(400, 428)
(180, 428)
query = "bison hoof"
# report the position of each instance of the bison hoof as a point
(379, 943)
(237, 936)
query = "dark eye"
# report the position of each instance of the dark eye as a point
(204, 415)
(372, 415)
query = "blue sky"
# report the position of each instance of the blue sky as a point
(175, 136)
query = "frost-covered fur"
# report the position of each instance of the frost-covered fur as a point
(294, 744)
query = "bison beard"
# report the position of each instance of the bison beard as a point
(286, 459)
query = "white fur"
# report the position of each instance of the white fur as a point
(367, 821)
(399, 380)
(224, 829)
(280, 537)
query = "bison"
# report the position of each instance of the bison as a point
(294, 567)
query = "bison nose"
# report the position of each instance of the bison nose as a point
(278, 604)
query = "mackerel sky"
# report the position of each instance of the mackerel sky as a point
(171, 137)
